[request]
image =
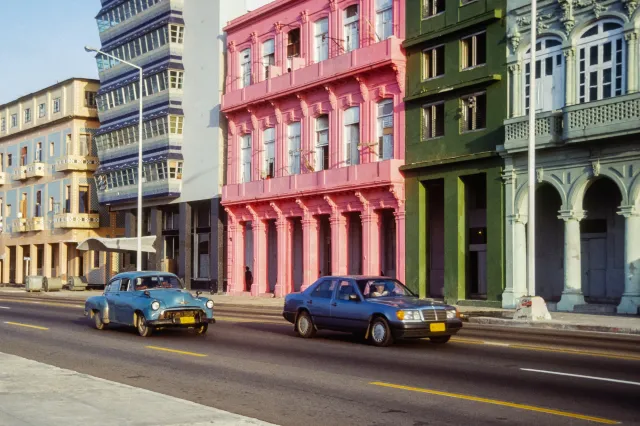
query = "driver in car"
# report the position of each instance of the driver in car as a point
(378, 290)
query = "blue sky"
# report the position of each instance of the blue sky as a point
(42, 43)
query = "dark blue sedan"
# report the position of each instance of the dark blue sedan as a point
(380, 309)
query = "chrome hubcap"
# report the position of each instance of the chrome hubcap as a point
(141, 326)
(379, 332)
(303, 325)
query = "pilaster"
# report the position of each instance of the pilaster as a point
(339, 239)
(632, 61)
(284, 229)
(570, 75)
(46, 262)
(63, 261)
(259, 257)
(400, 243)
(310, 247)
(516, 78)
(6, 264)
(572, 294)
(185, 245)
(630, 302)
(33, 263)
(19, 273)
(455, 243)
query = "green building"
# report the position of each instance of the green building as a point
(456, 103)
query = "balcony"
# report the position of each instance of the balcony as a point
(167, 188)
(76, 163)
(76, 221)
(35, 170)
(35, 224)
(20, 173)
(577, 123)
(350, 63)
(19, 225)
(362, 175)
(3, 177)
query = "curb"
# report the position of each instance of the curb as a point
(550, 325)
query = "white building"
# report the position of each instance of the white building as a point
(588, 154)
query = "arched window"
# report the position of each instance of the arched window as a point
(601, 57)
(549, 75)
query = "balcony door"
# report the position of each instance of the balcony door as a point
(83, 199)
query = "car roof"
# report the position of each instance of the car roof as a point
(136, 274)
(359, 277)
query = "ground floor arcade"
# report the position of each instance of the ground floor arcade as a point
(455, 245)
(287, 243)
(587, 229)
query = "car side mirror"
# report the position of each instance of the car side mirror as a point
(198, 293)
(354, 298)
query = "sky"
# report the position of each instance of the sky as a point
(43, 43)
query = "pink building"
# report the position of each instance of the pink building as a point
(316, 138)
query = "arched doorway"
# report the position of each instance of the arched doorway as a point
(549, 244)
(602, 243)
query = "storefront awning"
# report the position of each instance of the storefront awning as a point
(118, 245)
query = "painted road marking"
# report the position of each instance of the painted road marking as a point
(158, 348)
(604, 379)
(26, 325)
(545, 349)
(498, 402)
(4, 307)
(33, 302)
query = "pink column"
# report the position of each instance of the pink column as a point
(400, 238)
(370, 242)
(338, 243)
(310, 250)
(259, 255)
(235, 257)
(283, 284)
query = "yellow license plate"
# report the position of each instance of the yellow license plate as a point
(438, 326)
(187, 320)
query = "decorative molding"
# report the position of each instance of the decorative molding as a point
(514, 68)
(400, 71)
(305, 210)
(276, 209)
(396, 192)
(333, 100)
(231, 215)
(568, 215)
(514, 39)
(332, 205)
(332, 5)
(381, 92)
(543, 19)
(628, 211)
(304, 16)
(364, 90)
(567, 15)
(277, 111)
(232, 125)
(597, 7)
(231, 46)
(363, 200)
(254, 37)
(540, 175)
(595, 168)
(278, 27)
(254, 215)
(254, 120)
(304, 107)
(509, 176)
(631, 36)
(569, 52)
(631, 6)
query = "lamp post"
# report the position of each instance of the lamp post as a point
(531, 276)
(139, 234)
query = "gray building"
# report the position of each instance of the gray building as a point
(180, 45)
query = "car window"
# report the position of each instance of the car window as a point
(124, 284)
(324, 290)
(113, 286)
(345, 290)
(157, 282)
(373, 288)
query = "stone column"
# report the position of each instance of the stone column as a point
(62, 261)
(310, 250)
(509, 295)
(339, 242)
(517, 93)
(400, 243)
(6, 264)
(632, 61)
(155, 259)
(455, 240)
(519, 262)
(259, 257)
(570, 75)
(19, 274)
(235, 256)
(33, 263)
(572, 294)
(370, 242)
(46, 262)
(185, 245)
(630, 302)
(284, 229)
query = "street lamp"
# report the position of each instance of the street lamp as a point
(139, 236)
(531, 281)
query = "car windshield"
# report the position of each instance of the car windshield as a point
(157, 282)
(382, 287)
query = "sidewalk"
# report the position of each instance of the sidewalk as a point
(473, 314)
(32, 393)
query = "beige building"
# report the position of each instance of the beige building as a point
(48, 198)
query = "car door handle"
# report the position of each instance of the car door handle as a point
(334, 304)
(309, 302)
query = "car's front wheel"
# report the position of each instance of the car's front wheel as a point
(380, 333)
(97, 318)
(439, 339)
(143, 329)
(202, 329)
(304, 325)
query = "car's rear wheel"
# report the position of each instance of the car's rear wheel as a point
(380, 333)
(439, 339)
(97, 318)
(202, 329)
(143, 329)
(304, 325)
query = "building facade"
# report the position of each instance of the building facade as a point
(316, 137)
(454, 191)
(48, 197)
(180, 45)
(588, 156)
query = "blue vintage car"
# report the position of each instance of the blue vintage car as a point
(380, 309)
(149, 300)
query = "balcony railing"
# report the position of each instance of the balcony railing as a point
(20, 173)
(80, 163)
(576, 123)
(76, 221)
(36, 169)
(19, 225)
(35, 224)
(166, 188)
(3, 178)
(377, 54)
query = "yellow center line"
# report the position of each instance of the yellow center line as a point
(240, 319)
(26, 325)
(158, 348)
(498, 402)
(39, 302)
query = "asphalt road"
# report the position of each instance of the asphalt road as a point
(252, 364)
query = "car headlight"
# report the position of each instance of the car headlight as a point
(408, 315)
(155, 305)
(452, 313)
(210, 304)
